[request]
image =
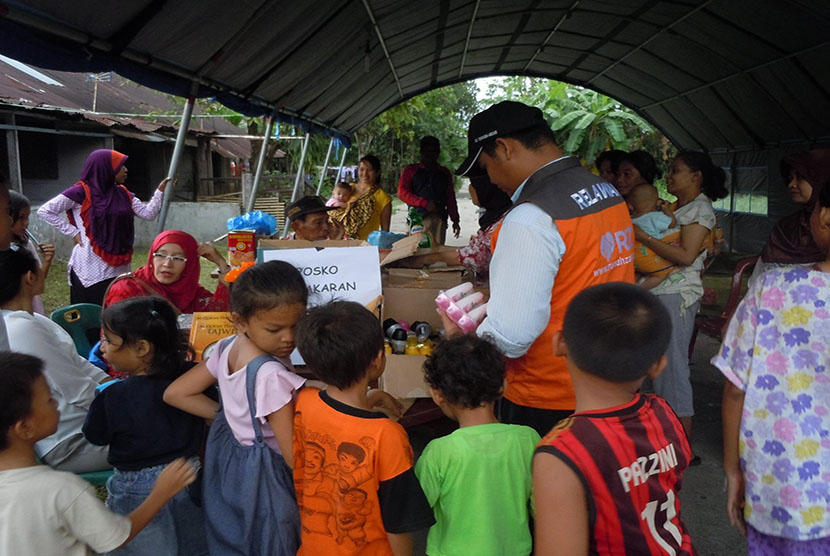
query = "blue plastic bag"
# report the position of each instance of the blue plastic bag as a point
(262, 223)
(383, 240)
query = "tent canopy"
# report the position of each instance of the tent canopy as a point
(716, 75)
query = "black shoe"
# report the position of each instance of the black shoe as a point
(695, 461)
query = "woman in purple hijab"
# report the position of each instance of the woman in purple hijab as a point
(100, 213)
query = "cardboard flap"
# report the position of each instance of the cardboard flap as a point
(305, 244)
(402, 249)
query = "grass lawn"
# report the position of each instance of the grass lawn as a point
(57, 287)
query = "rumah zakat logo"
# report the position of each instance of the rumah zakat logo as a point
(606, 245)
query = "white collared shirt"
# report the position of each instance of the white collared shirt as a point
(522, 271)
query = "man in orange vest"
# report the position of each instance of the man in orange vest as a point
(567, 230)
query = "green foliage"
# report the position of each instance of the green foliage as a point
(586, 122)
(394, 135)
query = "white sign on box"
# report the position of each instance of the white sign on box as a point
(344, 273)
(348, 273)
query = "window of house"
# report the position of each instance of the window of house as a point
(38, 155)
(750, 191)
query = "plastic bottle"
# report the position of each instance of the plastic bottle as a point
(416, 226)
(398, 346)
(388, 325)
(423, 330)
(471, 320)
(459, 308)
(453, 294)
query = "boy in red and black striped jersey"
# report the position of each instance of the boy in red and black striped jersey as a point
(606, 479)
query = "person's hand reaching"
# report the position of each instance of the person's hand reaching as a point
(163, 184)
(48, 252)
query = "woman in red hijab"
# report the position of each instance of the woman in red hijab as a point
(172, 272)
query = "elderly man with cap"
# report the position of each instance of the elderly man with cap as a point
(309, 220)
(567, 230)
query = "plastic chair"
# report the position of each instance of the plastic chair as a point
(714, 326)
(97, 478)
(83, 322)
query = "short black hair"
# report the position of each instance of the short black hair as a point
(344, 185)
(338, 341)
(532, 138)
(616, 331)
(613, 156)
(152, 319)
(13, 265)
(468, 370)
(644, 163)
(265, 286)
(18, 373)
(429, 140)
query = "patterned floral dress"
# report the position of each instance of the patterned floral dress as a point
(777, 350)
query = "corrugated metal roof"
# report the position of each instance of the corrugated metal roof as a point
(72, 93)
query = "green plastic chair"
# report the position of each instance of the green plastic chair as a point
(97, 478)
(83, 322)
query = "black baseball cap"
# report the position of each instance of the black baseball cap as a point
(307, 205)
(499, 120)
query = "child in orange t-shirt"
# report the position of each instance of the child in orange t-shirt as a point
(353, 467)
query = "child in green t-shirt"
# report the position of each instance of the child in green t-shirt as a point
(477, 479)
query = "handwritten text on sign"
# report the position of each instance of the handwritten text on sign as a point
(348, 273)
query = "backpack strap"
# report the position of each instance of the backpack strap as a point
(250, 383)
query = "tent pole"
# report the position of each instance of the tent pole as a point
(325, 166)
(174, 161)
(340, 170)
(733, 183)
(298, 181)
(260, 165)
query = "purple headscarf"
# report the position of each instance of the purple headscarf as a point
(107, 211)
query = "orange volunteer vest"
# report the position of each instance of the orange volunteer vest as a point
(593, 221)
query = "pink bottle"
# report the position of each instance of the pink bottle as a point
(459, 308)
(471, 320)
(445, 298)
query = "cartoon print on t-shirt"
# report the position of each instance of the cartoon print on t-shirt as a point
(353, 465)
(328, 494)
(351, 516)
(316, 502)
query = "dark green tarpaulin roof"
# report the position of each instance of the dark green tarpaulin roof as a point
(715, 75)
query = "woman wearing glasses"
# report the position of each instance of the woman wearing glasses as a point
(101, 214)
(172, 272)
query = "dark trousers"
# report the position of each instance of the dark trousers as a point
(543, 420)
(93, 294)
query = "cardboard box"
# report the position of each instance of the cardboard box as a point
(401, 249)
(404, 375)
(444, 278)
(241, 247)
